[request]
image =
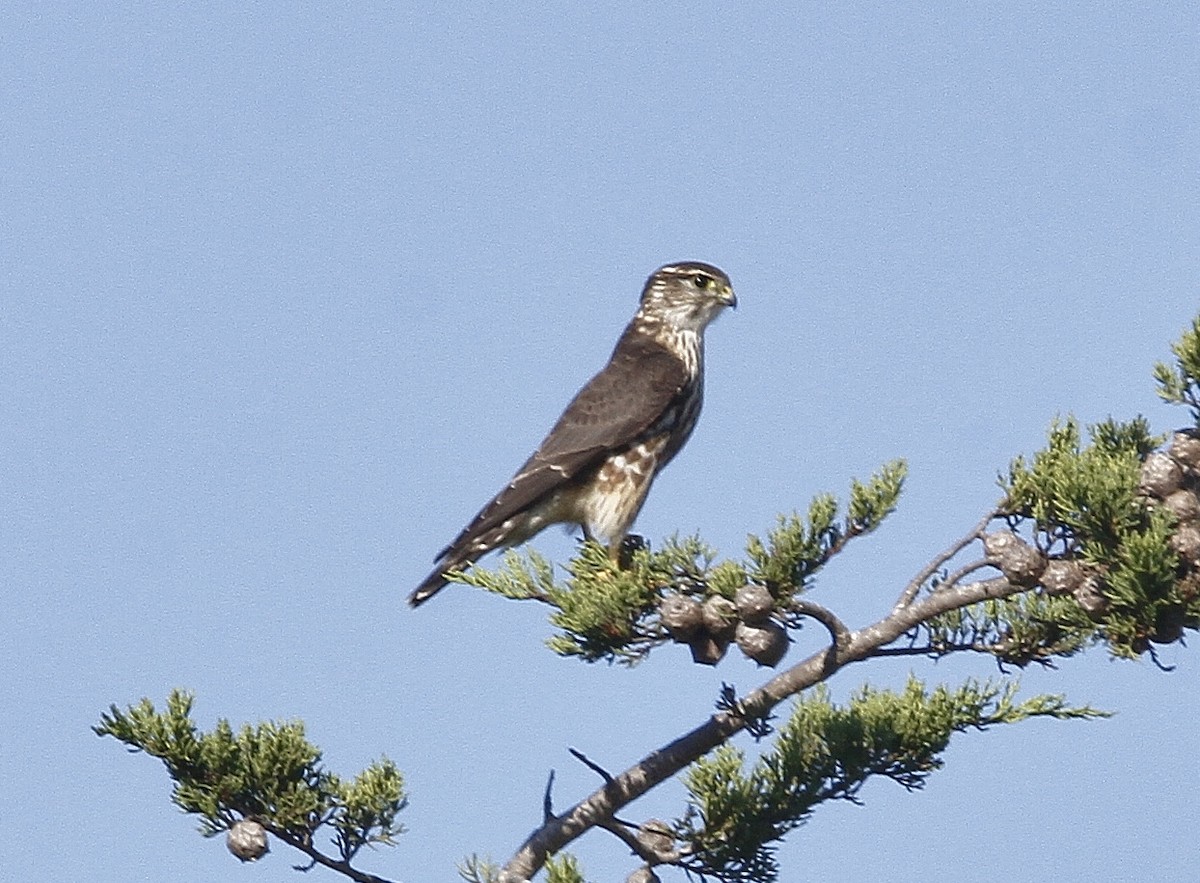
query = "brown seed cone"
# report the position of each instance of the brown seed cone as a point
(706, 649)
(1021, 564)
(1184, 504)
(1185, 449)
(765, 643)
(995, 543)
(643, 875)
(720, 616)
(247, 840)
(1161, 476)
(655, 837)
(1186, 543)
(1062, 577)
(681, 615)
(754, 603)
(1090, 598)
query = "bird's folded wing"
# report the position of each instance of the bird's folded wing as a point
(617, 408)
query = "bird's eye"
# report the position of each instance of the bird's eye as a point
(701, 281)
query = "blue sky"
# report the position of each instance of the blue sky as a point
(289, 291)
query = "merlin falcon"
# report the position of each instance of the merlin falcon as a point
(596, 466)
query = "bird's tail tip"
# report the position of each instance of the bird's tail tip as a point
(431, 585)
(437, 581)
(425, 591)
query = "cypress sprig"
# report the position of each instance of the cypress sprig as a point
(799, 547)
(1180, 383)
(270, 773)
(828, 752)
(1083, 502)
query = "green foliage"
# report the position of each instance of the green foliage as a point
(369, 804)
(874, 501)
(474, 869)
(522, 576)
(563, 868)
(606, 611)
(1145, 598)
(270, 773)
(601, 607)
(1086, 496)
(799, 547)
(1083, 503)
(1031, 627)
(1180, 384)
(827, 752)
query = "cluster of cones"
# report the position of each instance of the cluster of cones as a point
(710, 625)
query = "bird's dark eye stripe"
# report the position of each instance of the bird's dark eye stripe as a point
(701, 281)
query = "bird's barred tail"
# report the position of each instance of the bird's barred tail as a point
(437, 581)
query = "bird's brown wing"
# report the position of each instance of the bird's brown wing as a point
(640, 384)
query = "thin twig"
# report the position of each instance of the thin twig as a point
(837, 629)
(627, 837)
(640, 849)
(966, 570)
(914, 586)
(548, 799)
(935, 650)
(591, 764)
(342, 867)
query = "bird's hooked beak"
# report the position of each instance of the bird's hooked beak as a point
(726, 296)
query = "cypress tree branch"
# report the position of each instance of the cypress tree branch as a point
(599, 808)
(1099, 544)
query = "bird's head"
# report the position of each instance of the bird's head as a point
(686, 296)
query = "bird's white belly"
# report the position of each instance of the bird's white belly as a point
(615, 496)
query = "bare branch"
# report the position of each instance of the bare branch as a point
(837, 629)
(659, 765)
(628, 837)
(643, 850)
(548, 799)
(935, 650)
(914, 587)
(305, 846)
(959, 575)
(591, 764)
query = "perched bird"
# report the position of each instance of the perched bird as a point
(596, 466)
